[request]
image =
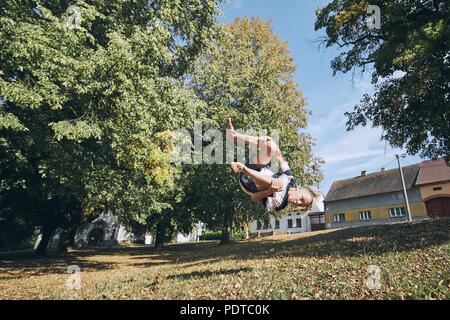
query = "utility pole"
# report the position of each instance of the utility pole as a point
(405, 194)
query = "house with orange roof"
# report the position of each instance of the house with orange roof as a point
(434, 183)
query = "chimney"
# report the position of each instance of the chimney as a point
(383, 169)
(363, 173)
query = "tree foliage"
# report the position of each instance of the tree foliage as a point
(411, 67)
(248, 75)
(86, 112)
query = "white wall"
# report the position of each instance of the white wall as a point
(305, 225)
(193, 236)
(123, 235)
(181, 238)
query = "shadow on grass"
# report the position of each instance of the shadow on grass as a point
(20, 266)
(207, 274)
(373, 240)
(351, 242)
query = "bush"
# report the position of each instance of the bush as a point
(217, 235)
(211, 235)
(238, 234)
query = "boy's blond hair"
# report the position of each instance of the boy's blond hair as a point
(316, 195)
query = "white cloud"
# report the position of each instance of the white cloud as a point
(333, 119)
(333, 142)
(236, 4)
(343, 146)
(375, 164)
(337, 103)
(346, 153)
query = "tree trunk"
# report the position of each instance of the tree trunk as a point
(69, 240)
(47, 234)
(159, 237)
(226, 236)
(227, 227)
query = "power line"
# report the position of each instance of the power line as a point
(385, 165)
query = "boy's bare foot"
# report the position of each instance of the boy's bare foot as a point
(237, 167)
(231, 133)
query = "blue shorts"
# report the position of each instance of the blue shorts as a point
(247, 184)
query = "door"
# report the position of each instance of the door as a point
(438, 207)
(317, 222)
(96, 237)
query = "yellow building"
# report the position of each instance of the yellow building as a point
(374, 199)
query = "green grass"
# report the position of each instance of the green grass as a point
(414, 260)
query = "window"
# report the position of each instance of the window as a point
(397, 196)
(397, 212)
(318, 219)
(298, 223)
(277, 224)
(258, 225)
(289, 223)
(339, 217)
(437, 189)
(365, 215)
(267, 225)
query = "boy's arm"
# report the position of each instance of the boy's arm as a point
(261, 195)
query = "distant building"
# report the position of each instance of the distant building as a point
(293, 222)
(103, 231)
(434, 184)
(377, 198)
(106, 230)
(193, 236)
(373, 199)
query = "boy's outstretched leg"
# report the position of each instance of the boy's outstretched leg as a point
(267, 147)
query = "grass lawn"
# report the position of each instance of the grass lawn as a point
(414, 260)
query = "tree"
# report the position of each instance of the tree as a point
(409, 59)
(215, 199)
(248, 75)
(86, 109)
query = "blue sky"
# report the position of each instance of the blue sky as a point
(346, 153)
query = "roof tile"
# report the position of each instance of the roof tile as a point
(433, 171)
(374, 183)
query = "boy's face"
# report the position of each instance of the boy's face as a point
(300, 197)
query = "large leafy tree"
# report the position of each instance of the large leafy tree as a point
(248, 75)
(410, 64)
(86, 110)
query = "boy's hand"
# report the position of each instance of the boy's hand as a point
(277, 185)
(237, 167)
